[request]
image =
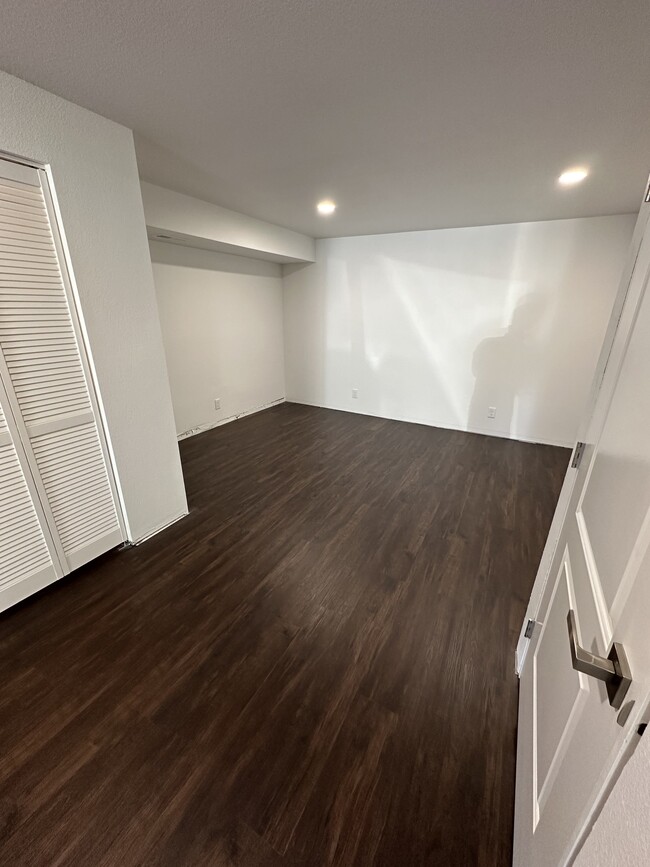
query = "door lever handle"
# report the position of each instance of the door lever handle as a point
(613, 670)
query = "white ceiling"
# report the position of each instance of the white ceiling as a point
(411, 114)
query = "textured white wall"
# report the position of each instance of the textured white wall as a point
(621, 834)
(221, 318)
(437, 326)
(98, 191)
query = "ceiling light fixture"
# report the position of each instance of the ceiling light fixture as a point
(326, 207)
(572, 176)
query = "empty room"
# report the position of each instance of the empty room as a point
(324, 464)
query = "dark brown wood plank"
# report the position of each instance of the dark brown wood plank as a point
(316, 667)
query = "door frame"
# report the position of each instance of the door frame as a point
(621, 321)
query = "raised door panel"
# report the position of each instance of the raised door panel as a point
(614, 511)
(559, 693)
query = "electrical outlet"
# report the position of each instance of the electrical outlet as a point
(217, 403)
(492, 412)
(355, 392)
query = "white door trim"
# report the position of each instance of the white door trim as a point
(79, 325)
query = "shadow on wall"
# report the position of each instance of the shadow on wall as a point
(415, 323)
(502, 365)
(437, 327)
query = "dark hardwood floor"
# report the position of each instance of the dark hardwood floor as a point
(316, 667)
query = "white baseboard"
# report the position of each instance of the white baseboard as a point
(159, 529)
(192, 432)
(428, 423)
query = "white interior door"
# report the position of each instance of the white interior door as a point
(45, 375)
(572, 742)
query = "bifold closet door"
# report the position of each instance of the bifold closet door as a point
(45, 374)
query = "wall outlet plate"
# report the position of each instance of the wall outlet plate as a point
(492, 412)
(217, 403)
(355, 392)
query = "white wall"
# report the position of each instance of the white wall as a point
(437, 326)
(621, 834)
(221, 319)
(98, 191)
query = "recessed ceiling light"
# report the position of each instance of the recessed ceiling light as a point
(326, 207)
(164, 237)
(572, 176)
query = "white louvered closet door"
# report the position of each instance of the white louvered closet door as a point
(45, 373)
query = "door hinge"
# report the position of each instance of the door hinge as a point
(578, 452)
(528, 632)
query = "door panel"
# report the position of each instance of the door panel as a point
(565, 694)
(71, 465)
(621, 473)
(26, 560)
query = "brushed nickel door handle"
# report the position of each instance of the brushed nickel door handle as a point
(613, 670)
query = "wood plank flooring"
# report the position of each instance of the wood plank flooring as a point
(314, 668)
